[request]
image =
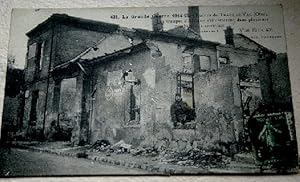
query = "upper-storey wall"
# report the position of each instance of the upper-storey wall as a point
(68, 42)
(73, 40)
(38, 55)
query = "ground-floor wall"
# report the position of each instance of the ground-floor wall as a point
(218, 122)
(130, 99)
(34, 109)
(53, 106)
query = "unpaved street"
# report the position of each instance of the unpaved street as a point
(27, 163)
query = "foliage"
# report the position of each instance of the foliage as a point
(14, 79)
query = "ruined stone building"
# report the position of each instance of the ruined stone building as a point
(98, 80)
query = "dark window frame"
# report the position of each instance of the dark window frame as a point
(33, 108)
(179, 85)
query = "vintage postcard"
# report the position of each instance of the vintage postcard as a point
(148, 91)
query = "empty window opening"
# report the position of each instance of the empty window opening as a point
(205, 63)
(183, 108)
(33, 110)
(56, 96)
(39, 56)
(196, 63)
(67, 97)
(132, 99)
(132, 106)
(187, 66)
(223, 60)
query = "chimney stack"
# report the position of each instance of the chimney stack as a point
(194, 24)
(157, 24)
(229, 36)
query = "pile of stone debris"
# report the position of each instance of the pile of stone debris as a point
(146, 151)
(100, 146)
(188, 157)
(105, 146)
(122, 147)
(197, 158)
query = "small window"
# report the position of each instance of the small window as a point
(196, 62)
(33, 110)
(132, 100)
(39, 55)
(223, 60)
(56, 96)
(187, 66)
(205, 63)
(186, 88)
(132, 105)
(32, 51)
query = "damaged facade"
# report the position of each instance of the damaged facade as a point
(96, 80)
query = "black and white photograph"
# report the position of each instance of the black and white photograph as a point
(148, 91)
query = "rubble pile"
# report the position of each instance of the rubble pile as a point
(101, 146)
(105, 146)
(121, 147)
(199, 158)
(184, 155)
(145, 151)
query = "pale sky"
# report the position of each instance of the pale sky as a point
(23, 20)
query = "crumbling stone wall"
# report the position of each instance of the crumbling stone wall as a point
(111, 98)
(219, 119)
(67, 42)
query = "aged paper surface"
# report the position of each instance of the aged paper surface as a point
(294, 88)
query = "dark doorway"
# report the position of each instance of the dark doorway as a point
(33, 110)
